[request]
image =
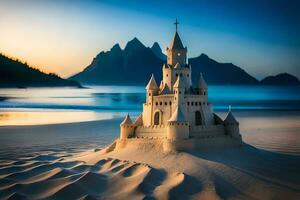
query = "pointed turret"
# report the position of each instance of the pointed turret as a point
(201, 83)
(139, 120)
(178, 116)
(152, 85)
(127, 128)
(178, 125)
(127, 121)
(232, 126)
(230, 119)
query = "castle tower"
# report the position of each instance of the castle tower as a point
(176, 52)
(127, 128)
(178, 126)
(176, 63)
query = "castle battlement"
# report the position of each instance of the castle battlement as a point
(178, 112)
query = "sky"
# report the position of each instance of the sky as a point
(63, 36)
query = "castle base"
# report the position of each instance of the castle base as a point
(180, 145)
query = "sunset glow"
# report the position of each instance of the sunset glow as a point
(63, 36)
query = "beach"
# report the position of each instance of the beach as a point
(56, 166)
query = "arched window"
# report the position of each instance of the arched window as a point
(156, 118)
(198, 118)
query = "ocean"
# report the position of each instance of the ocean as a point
(269, 116)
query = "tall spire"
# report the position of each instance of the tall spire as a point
(176, 42)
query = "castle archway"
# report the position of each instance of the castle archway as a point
(157, 117)
(198, 118)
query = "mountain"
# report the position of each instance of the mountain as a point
(135, 63)
(158, 52)
(281, 79)
(220, 73)
(13, 73)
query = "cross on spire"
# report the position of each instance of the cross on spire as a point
(176, 24)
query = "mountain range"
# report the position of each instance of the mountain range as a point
(14, 73)
(135, 63)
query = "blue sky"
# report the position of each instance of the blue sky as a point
(63, 36)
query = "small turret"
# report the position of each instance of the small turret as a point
(152, 89)
(139, 120)
(127, 128)
(232, 126)
(126, 121)
(230, 119)
(178, 126)
(202, 86)
(152, 85)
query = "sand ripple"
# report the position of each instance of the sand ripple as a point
(248, 173)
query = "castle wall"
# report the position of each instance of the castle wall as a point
(147, 114)
(207, 131)
(164, 105)
(178, 130)
(151, 131)
(193, 103)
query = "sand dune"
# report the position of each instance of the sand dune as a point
(245, 173)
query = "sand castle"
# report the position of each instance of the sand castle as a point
(177, 114)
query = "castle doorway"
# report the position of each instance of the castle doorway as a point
(156, 118)
(198, 118)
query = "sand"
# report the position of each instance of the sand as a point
(140, 172)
